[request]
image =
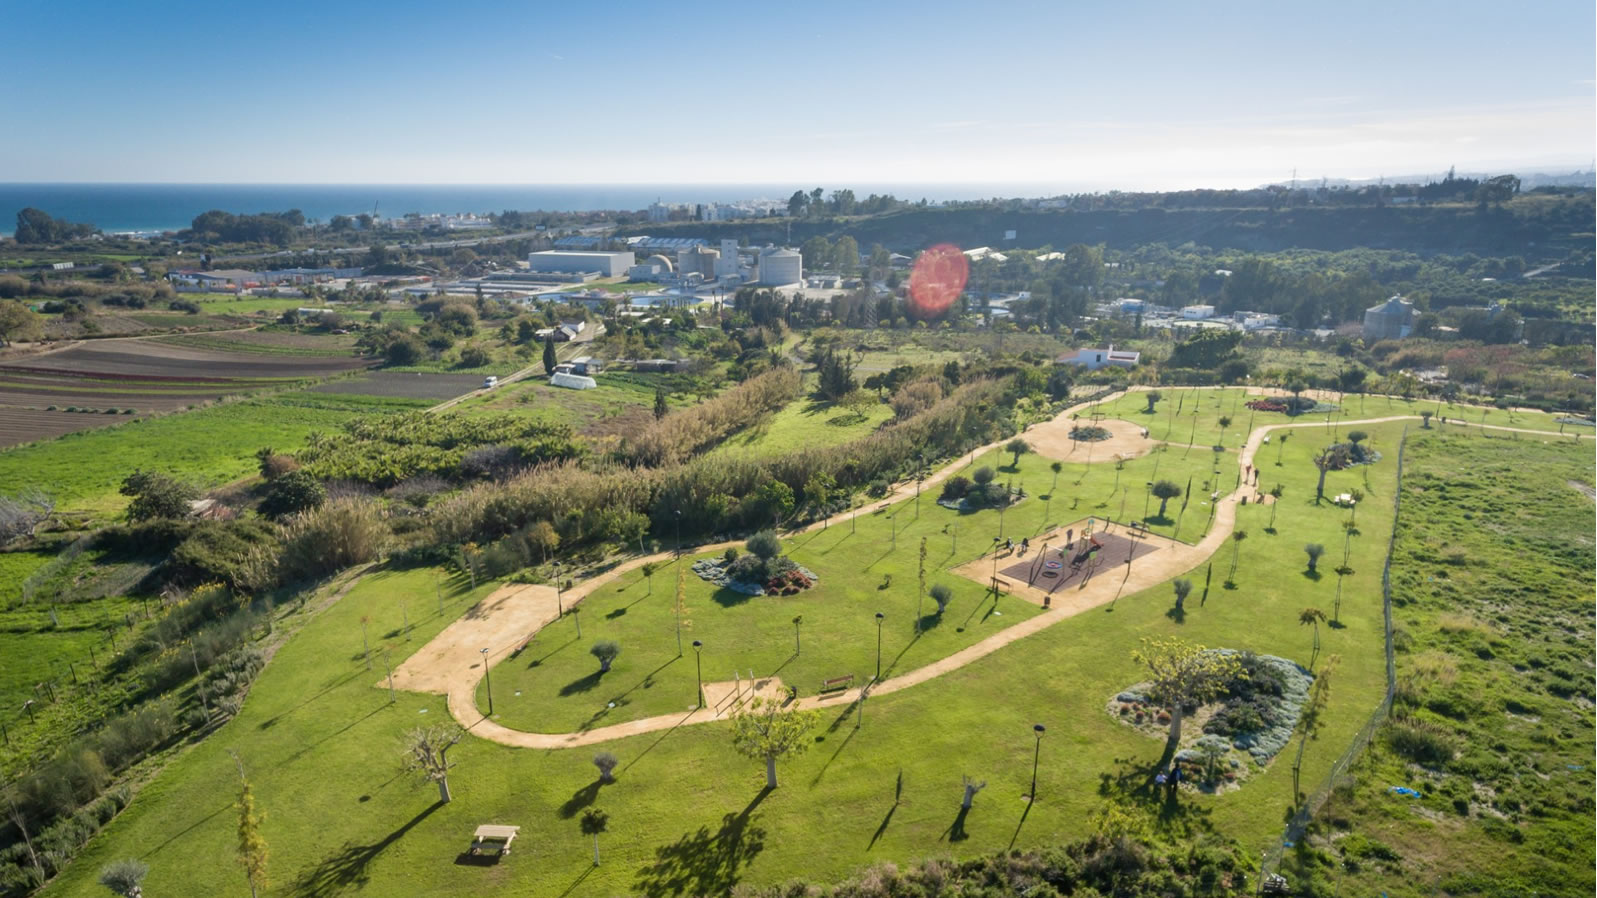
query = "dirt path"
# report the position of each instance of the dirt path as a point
(452, 662)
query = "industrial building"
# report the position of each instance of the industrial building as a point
(698, 259)
(1391, 320)
(781, 266)
(727, 265)
(606, 264)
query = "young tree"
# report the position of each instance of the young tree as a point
(1312, 617)
(1280, 447)
(942, 595)
(1166, 490)
(1224, 423)
(1355, 437)
(1016, 447)
(252, 850)
(425, 754)
(1153, 397)
(1276, 492)
(1056, 467)
(649, 569)
(1314, 551)
(549, 360)
(765, 732)
(661, 409)
(594, 822)
(606, 762)
(606, 651)
(1357, 495)
(1183, 675)
(1425, 418)
(125, 878)
(1331, 458)
(1237, 536)
(1312, 718)
(1182, 587)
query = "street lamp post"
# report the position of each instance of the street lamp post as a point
(679, 533)
(995, 569)
(559, 609)
(1038, 729)
(1147, 497)
(489, 678)
(698, 663)
(879, 618)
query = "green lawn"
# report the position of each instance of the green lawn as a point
(209, 446)
(687, 816)
(805, 422)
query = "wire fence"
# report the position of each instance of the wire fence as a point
(1299, 823)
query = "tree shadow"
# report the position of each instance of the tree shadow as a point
(347, 867)
(1160, 520)
(956, 831)
(581, 684)
(704, 862)
(728, 598)
(930, 621)
(1315, 576)
(581, 798)
(615, 614)
(1177, 614)
(883, 828)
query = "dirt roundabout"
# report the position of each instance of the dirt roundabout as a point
(1052, 440)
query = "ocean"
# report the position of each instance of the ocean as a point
(168, 207)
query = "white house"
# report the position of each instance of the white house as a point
(1093, 359)
(1197, 313)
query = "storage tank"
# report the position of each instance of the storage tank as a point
(783, 266)
(701, 259)
(665, 264)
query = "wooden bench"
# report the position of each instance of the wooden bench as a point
(493, 839)
(836, 684)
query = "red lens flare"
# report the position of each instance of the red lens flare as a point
(937, 280)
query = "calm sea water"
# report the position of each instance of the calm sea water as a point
(158, 207)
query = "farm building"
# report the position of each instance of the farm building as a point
(1093, 359)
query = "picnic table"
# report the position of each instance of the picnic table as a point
(493, 838)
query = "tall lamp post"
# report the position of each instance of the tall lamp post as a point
(1147, 497)
(1038, 729)
(698, 663)
(559, 609)
(489, 677)
(995, 569)
(879, 618)
(679, 533)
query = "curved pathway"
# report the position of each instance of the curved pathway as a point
(451, 663)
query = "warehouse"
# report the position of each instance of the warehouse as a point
(606, 264)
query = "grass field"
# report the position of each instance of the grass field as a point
(208, 446)
(1492, 588)
(805, 422)
(320, 740)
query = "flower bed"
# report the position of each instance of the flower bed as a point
(788, 580)
(1252, 720)
(1089, 433)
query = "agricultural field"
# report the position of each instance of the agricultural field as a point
(623, 400)
(403, 385)
(93, 385)
(878, 782)
(208, 446)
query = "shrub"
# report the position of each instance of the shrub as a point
(983, 476)
(764, 544)
(877, 488)
(236, 553)
(730, 555)
(1419, 742)
(955, 488)
(747, 569)
(341, 533)
(942, 595)
(291, 493)
(474, 357)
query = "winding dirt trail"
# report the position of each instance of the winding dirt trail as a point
(452, 663)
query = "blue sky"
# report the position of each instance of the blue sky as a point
(1128, 94)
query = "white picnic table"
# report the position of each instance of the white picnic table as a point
(493, 832)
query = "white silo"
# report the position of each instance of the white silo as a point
(782, 266)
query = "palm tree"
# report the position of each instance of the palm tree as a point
(1236, 547)
(1275, 493)
(1312, 616)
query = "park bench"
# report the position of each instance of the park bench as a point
(493, 839)
(837, 683)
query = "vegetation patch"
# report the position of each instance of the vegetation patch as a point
(762, 570)
(1090, 433)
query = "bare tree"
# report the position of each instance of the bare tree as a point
(21, 515)
(425, 753)
(971, 788)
